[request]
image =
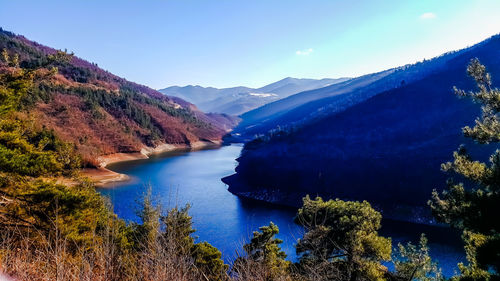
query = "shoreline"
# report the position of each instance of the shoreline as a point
(104, 177)
(404, 213)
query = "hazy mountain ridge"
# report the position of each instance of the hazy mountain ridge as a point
(386, 149)
(308, 106)
(237, 100)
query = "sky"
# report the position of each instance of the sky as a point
(225, 43)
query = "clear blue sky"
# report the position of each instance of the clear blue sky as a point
(226, 43)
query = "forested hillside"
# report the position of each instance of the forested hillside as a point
(309, 106)
(387, 149)
(96, 111)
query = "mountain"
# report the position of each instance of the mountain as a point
(308, 106)
(237, 100)
(384, 146)
(101, 113)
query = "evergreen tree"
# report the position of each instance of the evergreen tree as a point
(475, 209)
(171, 234)
(208, 260)
(342, 236)
(263, 251)
(178, 228)
(147, 232)
(414, 263)
(15, 60)
(5, 56)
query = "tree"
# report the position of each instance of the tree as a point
(147, 233)
(5, 56)
(164, 241)
(14, 86)
(15, 60)
(414, 263)
(263, 252)
(475, 209)
(178, 228)
(23, 149)
(208, 260)
(342, 236)
(264, 247)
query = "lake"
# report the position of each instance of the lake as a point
(226, 221)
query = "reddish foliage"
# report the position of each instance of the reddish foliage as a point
(96, 130)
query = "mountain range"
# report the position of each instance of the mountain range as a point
(307, 106)
(238, 100)
(380, 137)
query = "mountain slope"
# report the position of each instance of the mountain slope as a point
(386, 149)
(237, 100)
(308, 106)
(99, 112)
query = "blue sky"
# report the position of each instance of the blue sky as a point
(225, 43)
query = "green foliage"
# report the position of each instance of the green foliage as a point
(14, 86)
(264, 247)
(179, 227)
(265, 250)
(25, 150)
(15, 60)
(59, 57)
(208, 260)
(77, 213)
(5, 56)
(343, 234)
(31, 152)
(475, 210)
(414, 263)
(146, 232)
(487, 127)
(173, 231)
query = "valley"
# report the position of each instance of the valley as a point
(376, 158)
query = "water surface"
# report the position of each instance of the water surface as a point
(227, 222)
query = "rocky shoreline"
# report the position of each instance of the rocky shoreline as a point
(396, 212)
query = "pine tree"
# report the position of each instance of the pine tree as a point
(263, 252)
(266, 248)
(5, 56)
(148, 231)
(15, 60)
(178, 228)
(414, 263)
(342, 239)
(208, 260)
(475, 209)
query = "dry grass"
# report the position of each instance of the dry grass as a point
(24, 257)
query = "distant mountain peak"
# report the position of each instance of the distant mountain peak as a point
(239, 99)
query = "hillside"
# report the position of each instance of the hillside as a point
(386, 149)
(101, 113)
(308, 106)
(237, 100)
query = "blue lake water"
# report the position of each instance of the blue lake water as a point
(226, 221)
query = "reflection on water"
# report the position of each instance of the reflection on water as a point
(226, 221)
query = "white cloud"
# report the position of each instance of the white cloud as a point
(304, 52)
(428, 16)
